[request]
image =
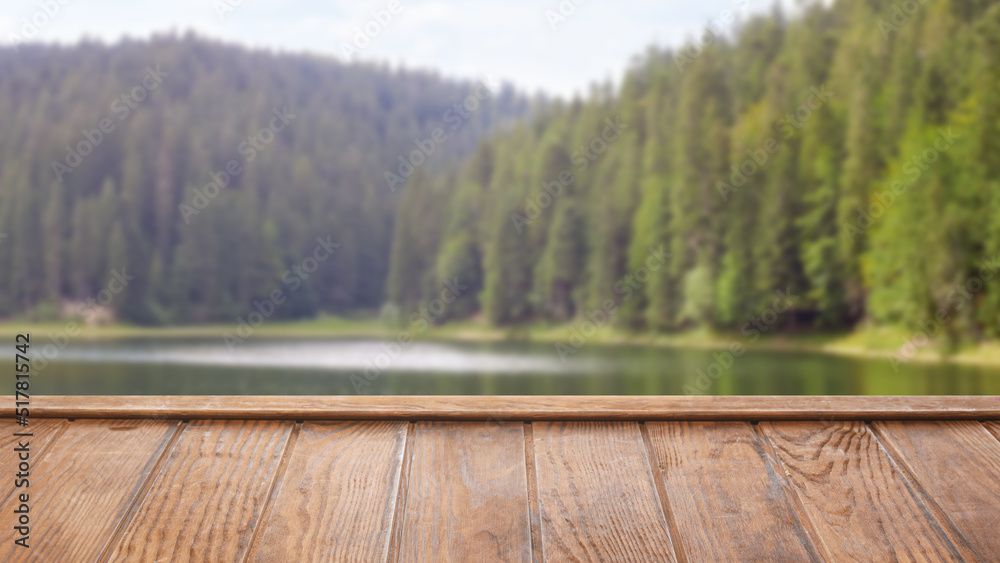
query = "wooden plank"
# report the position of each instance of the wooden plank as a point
(337, 497)
(521, 408)
(81, 491)
(208, 496)
(535, 517)
(401, 494)
(726, 502)
(466, 494)
(43, 432)
(994, 427)
(858, 503)
(596, 494)
(958, 466)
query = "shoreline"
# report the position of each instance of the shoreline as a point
(874, 343)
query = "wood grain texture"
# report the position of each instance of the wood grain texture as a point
(515, 407)
(43, 432)
(337, 497)
(858, 503)
(994, 427)
(205, 502)
(616, 491)
(958, 465)
(466, 494)
(82, 489)
(726, 502)
(596, 494)
(535, 518)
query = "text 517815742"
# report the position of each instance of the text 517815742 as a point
(22, 440)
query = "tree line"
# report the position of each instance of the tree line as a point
(208, 172)
(848, 155)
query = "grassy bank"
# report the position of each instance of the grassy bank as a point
(872, 342)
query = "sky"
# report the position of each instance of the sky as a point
(558, 47)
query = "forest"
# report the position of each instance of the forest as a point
(204, 173)
(845, 156)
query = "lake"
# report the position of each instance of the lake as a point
(352, 366)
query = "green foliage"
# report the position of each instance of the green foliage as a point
(801, 154)
(761, 164)
(72, 222)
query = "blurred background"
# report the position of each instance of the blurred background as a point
(733, 197)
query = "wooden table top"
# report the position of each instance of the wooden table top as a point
(506, 479)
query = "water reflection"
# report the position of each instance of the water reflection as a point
(335, 367)
(356, 355)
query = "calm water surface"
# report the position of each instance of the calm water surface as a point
(346, 366)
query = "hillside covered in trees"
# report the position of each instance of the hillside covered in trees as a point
(848, 157)
(206, 173)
